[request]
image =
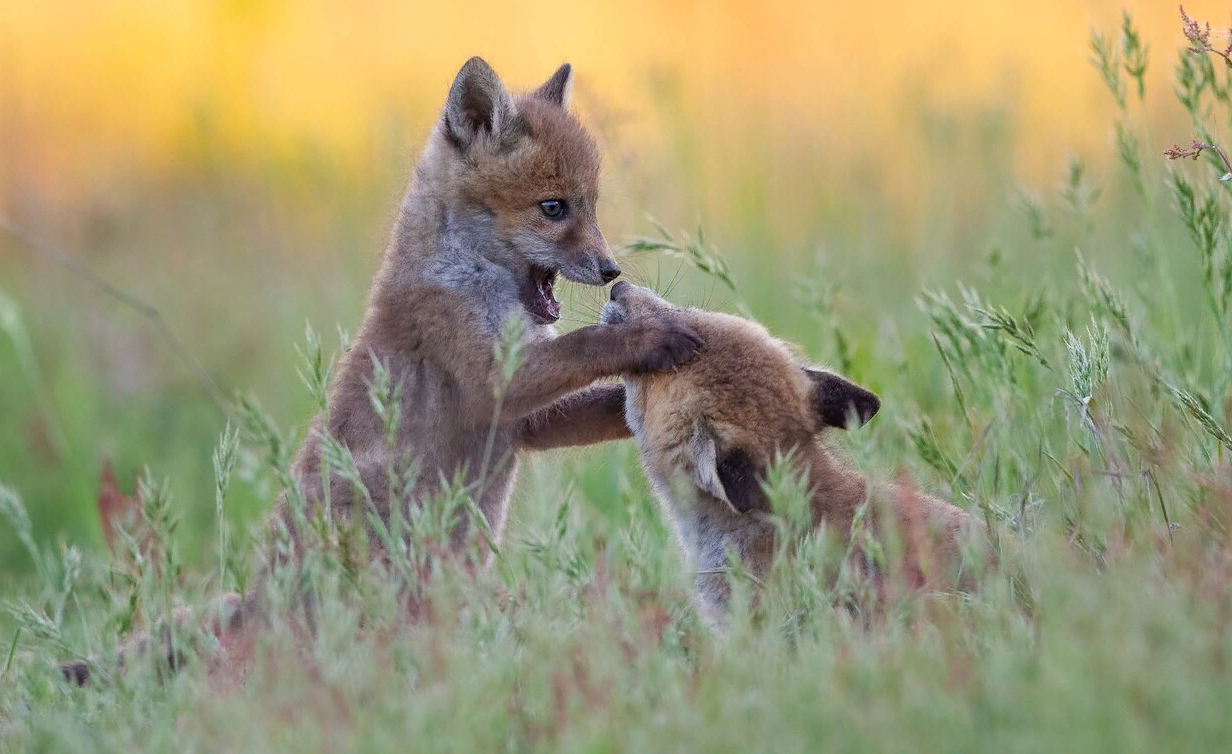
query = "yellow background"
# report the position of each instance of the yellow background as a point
(94, 92)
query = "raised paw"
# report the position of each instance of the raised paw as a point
(666, 344)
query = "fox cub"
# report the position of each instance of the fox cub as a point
(503, 202)
(708, 430)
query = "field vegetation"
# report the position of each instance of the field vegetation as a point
(1055, 356)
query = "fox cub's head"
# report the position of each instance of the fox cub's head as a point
(720, 418)
(522, 171)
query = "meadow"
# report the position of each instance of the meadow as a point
(1052, 346)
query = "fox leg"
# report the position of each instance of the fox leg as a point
(586, 417)
(554, 368)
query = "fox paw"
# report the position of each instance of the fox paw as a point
(666, 344)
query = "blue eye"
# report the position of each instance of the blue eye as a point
(553, 209)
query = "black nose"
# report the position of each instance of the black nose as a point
(608, 271)
(619, 289)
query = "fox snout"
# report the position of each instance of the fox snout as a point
(595, 266)
(608, 270)
(592, 270)
(591, 261)
(630, 302)
(614, 311)
(644, 300)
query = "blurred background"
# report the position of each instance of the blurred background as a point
(236, 164)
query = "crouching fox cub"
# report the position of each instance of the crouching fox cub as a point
(708, 430)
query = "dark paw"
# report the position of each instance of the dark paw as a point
(669, 344)
(77, 673)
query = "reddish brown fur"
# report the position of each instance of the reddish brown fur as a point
(471, 249)
(433, 321)
(749, 395)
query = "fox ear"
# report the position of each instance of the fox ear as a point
(704, 461)
(478, 103)
(837, 401)
(731, 478)
(556, 89)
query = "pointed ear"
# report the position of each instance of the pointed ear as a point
(478, 103)
(732, 478)
(704, 462)
(556, 89)
(836, 401)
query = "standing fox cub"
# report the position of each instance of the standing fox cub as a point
(502, 202)
(708, 430)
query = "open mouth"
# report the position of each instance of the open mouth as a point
(543, 304)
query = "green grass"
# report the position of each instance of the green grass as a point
(1074, 400)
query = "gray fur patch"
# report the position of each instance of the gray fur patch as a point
(462, 264)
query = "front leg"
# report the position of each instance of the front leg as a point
(586, 417)
(554, 368)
